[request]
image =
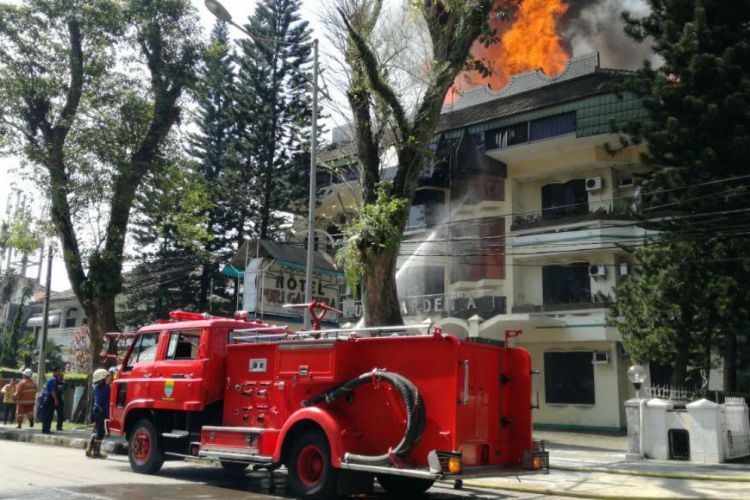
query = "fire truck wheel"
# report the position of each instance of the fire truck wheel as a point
(144, 451)
(404, 487)
(311, 474)
(234, 467)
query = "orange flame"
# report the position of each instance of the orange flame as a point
(531, 42)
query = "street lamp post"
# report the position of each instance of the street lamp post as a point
(223, 14)
(637, 375)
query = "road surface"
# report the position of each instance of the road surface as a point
(30, 471)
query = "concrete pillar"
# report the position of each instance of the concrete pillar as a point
(474, 322)
(706, 441)
(656, 427)
(632, 419)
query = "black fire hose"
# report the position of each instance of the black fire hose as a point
(415, 413)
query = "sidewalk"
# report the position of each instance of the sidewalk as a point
(594, 466)
(68, 439)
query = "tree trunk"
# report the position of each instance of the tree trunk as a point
(101, 316)
(679, 369)
(380, 297)
(730, 362)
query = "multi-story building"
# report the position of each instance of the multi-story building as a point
(521, 221)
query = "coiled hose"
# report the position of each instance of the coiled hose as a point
(415, 413)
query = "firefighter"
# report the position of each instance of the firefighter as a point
(99, 412)
(50, 400)
(25, 399)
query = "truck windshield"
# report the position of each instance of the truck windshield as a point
(144, 349)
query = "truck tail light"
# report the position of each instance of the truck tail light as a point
(537, 458)
(445, 462)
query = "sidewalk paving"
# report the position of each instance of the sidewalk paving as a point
(68, 439)
(593, 466)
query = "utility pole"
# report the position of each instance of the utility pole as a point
(45, 317)
(313, 191)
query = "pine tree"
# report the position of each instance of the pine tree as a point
(169, 230)
(274, 109)
(698, 138)
(215, 151)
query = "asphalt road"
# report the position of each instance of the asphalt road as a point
(29, 471)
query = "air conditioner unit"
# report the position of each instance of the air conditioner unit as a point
(600, 358)
(597, 270)
(626, 182)
(594, 183)
(623, 269)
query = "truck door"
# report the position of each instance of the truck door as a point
(179, 375)
(138, 370)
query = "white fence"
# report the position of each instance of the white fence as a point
(736, 426)
(700, 431)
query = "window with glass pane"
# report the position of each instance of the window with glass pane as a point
(144, 349)
(569, 199)
(569, 378)
(420, 281)
(478, 250)
(566, 284)
(183, 345)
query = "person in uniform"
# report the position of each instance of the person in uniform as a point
(99, 412)
(25, 399)
(60, 401)
(50, 399)
(9, 400)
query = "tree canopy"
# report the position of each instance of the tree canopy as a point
(90, 91)
(692, 292)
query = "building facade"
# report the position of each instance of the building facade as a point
(522, 220)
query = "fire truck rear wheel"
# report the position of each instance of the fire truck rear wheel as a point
(404, 487)
(144, 450)
(311, 474)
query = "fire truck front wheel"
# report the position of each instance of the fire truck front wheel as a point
(144, 450)
(404, 487)
(311, 474)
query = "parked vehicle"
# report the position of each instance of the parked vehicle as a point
(409, 405)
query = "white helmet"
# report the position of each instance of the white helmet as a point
(27, 372)
(99, 375)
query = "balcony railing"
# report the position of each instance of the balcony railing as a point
(618, 209)
(572, 306)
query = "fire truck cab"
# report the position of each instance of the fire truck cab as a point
(408, 405)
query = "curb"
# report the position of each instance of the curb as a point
(561, 493)
(114, 447)
(663, 475)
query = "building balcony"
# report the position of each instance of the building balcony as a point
(593, 233)
(621, 209)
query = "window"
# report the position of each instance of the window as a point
(569, 378)
(418, 281)
(552, 126)
(144, 350)
(478, 250)
(508, 136)
(70, 317)
(473, 188)
(183, 345)
(427, 209)
(568, 199)
(568, 284)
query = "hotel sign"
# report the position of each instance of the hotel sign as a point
(269, 286)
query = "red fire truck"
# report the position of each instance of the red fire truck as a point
(409, 405)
